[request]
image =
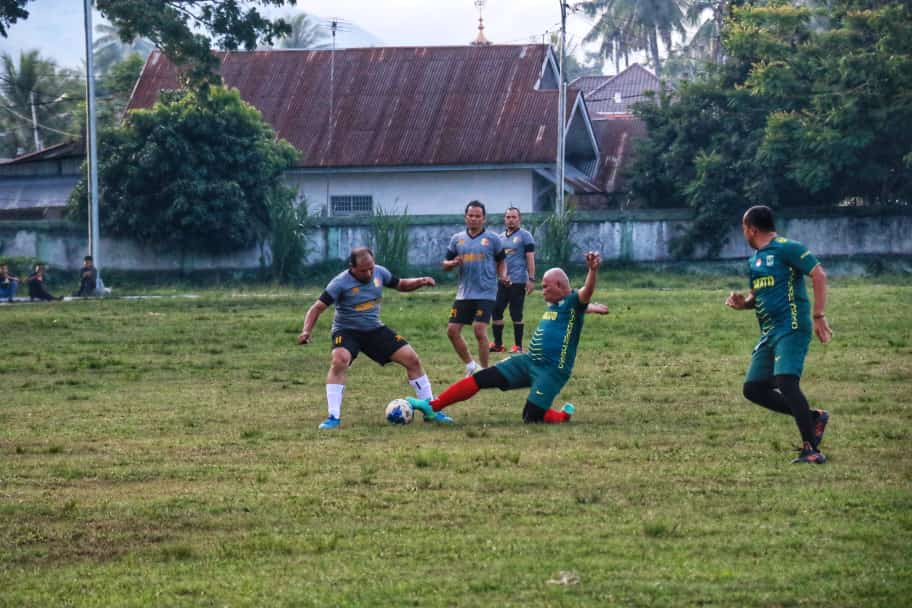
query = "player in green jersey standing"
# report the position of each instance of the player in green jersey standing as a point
(778, 295)
(546, 367)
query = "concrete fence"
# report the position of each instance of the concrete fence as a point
(638, 236)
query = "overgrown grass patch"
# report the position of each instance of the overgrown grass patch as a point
(165, 452)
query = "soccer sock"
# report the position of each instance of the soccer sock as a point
(422, 387)
(518, 333)
(471, 367)
(797, 403)
(498, 334)
(763, 393)
(334, 399)
(460, 391)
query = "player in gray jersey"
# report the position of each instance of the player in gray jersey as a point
(357, 327)
(519, 249)
(478, 254)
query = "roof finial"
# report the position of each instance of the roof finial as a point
(480, 39)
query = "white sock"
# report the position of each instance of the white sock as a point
(422, 387)
(471, 367)
(334, 399)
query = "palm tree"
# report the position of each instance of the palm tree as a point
(34, 90)
(305, 34)
(109, 49)
(707, 40)
(616, 42)
(626, 26)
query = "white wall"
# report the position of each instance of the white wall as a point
(424, 193)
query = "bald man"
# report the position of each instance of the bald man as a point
(547, 365)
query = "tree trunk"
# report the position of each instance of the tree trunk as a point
(654, 51)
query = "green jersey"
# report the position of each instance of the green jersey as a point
(558, 333)
(777, 280)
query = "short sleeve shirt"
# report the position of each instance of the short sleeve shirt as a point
(357, 303)
(478, 271)
(516, 245)
(777, 280)
(558, 333)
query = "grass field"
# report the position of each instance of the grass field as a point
(164, 452)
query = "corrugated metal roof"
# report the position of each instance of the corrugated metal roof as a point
(618, 93)
(67, 149)
(616, 138)
(587, 84)
(393, 106)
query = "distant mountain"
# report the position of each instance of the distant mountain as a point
(56, 29)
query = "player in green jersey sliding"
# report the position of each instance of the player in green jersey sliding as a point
(778, 295)
(545, 368)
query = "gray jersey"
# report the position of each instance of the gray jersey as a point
(357, 303)
(478, 271)
(515, 246)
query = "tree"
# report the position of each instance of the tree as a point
(632, 25)
(182, 28)
(35, 83)
(800, 114)
(11, 11)
(108, 49)
(305, 34)
(195, 173)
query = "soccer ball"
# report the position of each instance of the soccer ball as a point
(399, 412)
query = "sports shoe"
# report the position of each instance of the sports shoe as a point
(496, 348)
(440, 418)
(810, 455)
(516, 349)
(330, 423)
(471, 368)
(422, 406)
(568, 409)
(820, 423)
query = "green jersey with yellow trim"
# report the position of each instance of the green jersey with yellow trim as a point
(777, 281)
(558, 333)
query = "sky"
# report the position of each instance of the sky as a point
(55, 27)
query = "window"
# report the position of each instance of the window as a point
(356, 204)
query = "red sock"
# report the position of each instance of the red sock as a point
(556, 417)
(460, 391)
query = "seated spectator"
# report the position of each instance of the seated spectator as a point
(88, 278)
(36, 288)
(8, 283)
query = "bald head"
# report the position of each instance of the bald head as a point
(559, 276)
(555, 285)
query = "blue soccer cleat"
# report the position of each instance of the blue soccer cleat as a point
(441, 418)
(421, 405)
(568, 409)
(330, 423)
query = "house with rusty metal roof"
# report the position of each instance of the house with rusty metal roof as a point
(422, 128)
(608, 96)
(37, 185)
(610, 100)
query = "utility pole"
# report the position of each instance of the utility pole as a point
(561, 114)
(333, 26)
(35, 123)
(91, 145)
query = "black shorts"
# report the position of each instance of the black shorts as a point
(378, 344)
(514, 295)
(467, 312)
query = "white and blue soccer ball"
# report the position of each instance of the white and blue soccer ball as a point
(398, 411)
